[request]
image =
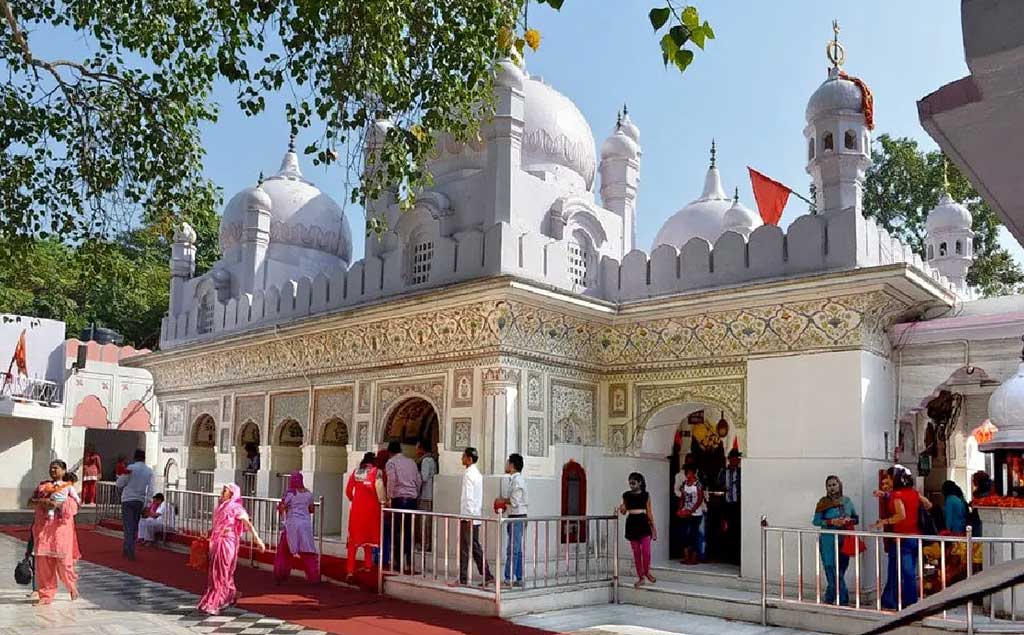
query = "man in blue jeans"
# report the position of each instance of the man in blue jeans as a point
(515, 507)
(136, 489)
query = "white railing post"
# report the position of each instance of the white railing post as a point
(764, 571)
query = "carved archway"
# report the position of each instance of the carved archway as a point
(171, 474)
(411, 421)
(728, 396)
(203, 433)
(334, 433)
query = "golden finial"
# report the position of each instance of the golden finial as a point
(945, 174)
(834, 50)
(713, 152)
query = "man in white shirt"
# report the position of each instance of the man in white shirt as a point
(471, 504)
(515, 507)
(136, 488)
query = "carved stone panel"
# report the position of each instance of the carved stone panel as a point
(618, 400)
(573, 413)
(363, 436)
(462, 431)
(332, 403)
(430, 388)
(535, 391)
(225, 409)
(463, 386)
(364, 398)
(290, 405)
(199, 408)
(174, 420)
(250, 408)
(536, 439)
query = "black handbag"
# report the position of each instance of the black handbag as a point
(925, 522)
(23, 571)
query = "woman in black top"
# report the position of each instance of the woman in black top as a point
(640, 528)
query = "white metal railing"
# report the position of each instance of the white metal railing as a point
(195, 517)
(202, 481)
(23, 388)
(108, 501)
(248, 483)
(795, 554)
(556, 551)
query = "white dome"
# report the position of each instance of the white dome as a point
(619, 145)
(1006, 411)
(556, 135)
(300, 214)
(629, 127)
(701, 219)
(740, 219)
(834, 95)
(948, 215)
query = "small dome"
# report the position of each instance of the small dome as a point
(629, 127)
(556, 135)
(300, 214)
(948, 215)
(185, 234)
(619, 145)
(739, 218)
(1006, 411)
(702, 218)
(835, 95)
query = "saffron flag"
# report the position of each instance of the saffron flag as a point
(20, 355)
(771, 196)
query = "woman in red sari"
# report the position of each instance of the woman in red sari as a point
(230, 521)
(54, 541)
(365, 490)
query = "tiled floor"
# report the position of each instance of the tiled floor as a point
(115, 603)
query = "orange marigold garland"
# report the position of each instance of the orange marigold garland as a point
(867, 100)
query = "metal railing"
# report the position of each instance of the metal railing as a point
(108, 501)
(886, 569)
(554, 551)
(23, 388)
(248, 483)
(201, 481)
(194, 517)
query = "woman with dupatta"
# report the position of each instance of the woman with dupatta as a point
(834, 511)
(230, 521)
(297, 535)
(54, 540)
(365, 490)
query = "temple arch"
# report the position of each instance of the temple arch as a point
(411, 421)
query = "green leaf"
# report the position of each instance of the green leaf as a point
(708, 31)
(556, 4)
(659, 17)
(669, 46)
(690, 17)
(680, 34)
(682, 59)
(697, 35)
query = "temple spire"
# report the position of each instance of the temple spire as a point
(714, 151)
(834, 51)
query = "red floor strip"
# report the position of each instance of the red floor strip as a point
(325, 607)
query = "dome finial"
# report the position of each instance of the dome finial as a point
(834, 51)
(618, 121)
(291, 142)
(713, 152)
(736, 196)
(259, 181)
(625, 109)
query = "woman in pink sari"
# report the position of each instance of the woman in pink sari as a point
(230, 521)
(297, 535)
(54, 540)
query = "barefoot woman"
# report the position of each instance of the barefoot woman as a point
(230, 521)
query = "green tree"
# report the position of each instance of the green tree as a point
(904, 183)
(94, 144)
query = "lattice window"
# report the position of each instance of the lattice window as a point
(579, 263)
(204, 320)
(419, 262)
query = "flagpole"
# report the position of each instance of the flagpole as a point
(802, 198)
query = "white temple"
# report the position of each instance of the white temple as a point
(512, 310)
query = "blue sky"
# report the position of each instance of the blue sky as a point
(748, 90)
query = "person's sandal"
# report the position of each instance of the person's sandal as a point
(651, 578)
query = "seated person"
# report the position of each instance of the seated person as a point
(158, 517)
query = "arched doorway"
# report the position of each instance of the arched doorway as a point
(286, 453)
(412, 421)
(332, 446)
(171, 474)
(704, 434)
(202, 458)
(574, 501)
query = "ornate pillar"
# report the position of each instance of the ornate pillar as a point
(501, 417)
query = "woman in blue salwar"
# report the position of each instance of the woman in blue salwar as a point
(834, 511)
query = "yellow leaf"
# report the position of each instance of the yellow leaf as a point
(504, 38)
(532, 37)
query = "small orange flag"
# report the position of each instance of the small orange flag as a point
(20, 355)
(771, 196)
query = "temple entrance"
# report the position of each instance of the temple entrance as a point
(332, 450)
(412, 421)
(202, 458)
(700, 435)
(247, 456)
(574, 501)
(114, 444)
(285, 454)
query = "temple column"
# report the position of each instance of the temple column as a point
(501, 418)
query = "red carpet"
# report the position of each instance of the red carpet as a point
(325, 607)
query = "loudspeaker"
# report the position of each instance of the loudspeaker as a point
(83, 351)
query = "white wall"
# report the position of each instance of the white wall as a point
(25, 455)
(44, 345)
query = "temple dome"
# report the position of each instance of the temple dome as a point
(948, 215)
(702, 218)
(556, 135)
(740, 219)
(836, 94)
(300, 214)
(619, 145)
